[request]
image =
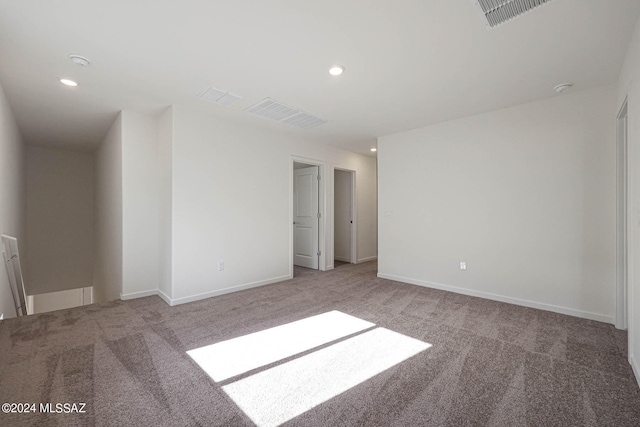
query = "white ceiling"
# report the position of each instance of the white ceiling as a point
(409, 63)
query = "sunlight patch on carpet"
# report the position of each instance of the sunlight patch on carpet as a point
(280, 394)
(236, 356)
(276, 395)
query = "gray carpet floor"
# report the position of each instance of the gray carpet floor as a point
(488, 363)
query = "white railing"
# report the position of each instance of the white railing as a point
(38, 303)
(14, 271)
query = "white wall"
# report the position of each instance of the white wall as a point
(342, 216)
(165, 183)
(194, 190)
(12, 195)
(231, 202)
(60, 300)
(629, 86)
(133, 189)
(140, 206)
(60, 220)
(108, 218)
(526, 196)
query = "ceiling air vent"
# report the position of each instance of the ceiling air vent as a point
(220, 97)
(279, 112)
(496, 12)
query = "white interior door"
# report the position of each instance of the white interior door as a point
(305, 217)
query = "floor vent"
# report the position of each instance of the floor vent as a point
(496, 12)
(220, 97)
(279, 112)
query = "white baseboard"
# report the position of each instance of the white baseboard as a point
(205, 295)
(229, 290)
(342, 258)
(526, 303)
(371, 258)
(141, 294)
(164, 297)
(636, 369)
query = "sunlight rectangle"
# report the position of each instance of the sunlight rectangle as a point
(279, 394)
(236, 356)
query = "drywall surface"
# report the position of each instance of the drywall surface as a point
(140, 205)
(60, 219)
(12, 195)
(60, 300)
(526, 196)
(108, 218)
(342, 216)
(165, 183)
(231, 203)
(629, 88)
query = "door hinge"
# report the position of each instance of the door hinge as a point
(319, 253)
(318, 177)
(318, 214)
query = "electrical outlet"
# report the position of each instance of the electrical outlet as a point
(463, 265)
(221, 266)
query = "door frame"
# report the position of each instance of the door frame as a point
(322, 207)
(354, 217)
(622, 219)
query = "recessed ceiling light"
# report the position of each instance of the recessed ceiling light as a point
(562, 87)
(336, 70)
(68, 82)
(374, 149)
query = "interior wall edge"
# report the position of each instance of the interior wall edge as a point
(164, 297)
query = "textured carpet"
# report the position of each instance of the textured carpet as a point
(487, 363)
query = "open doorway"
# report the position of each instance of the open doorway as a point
(622, 256)
(344, 245)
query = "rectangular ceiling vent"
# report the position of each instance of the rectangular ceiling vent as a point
(496, 12)
(279, 112)
(220, 97)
